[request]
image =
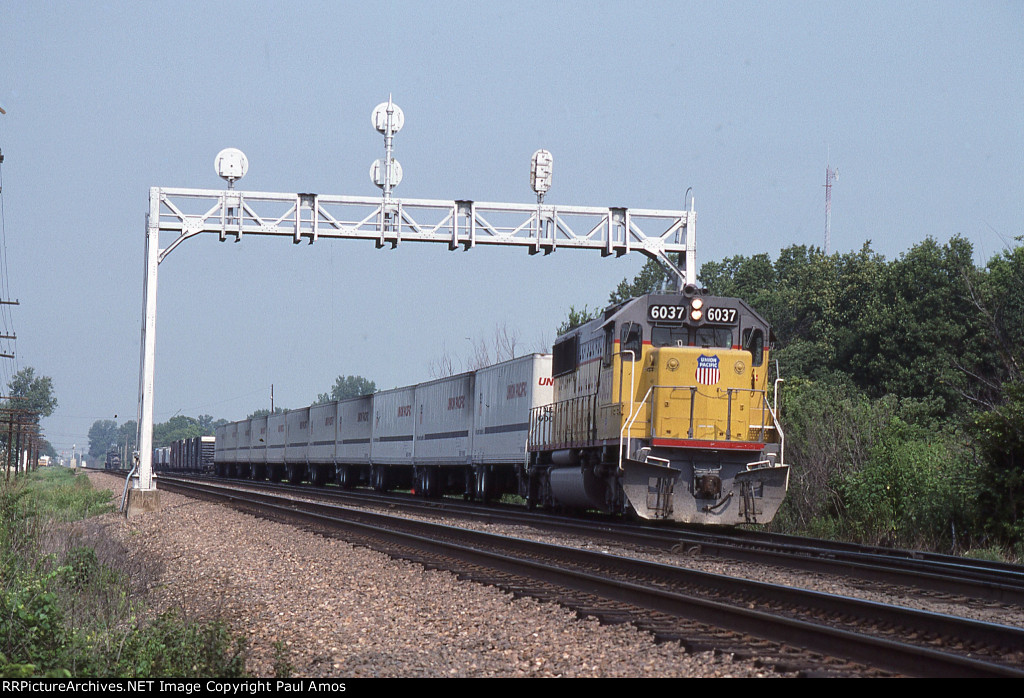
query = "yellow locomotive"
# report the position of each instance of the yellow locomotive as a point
(663, 406)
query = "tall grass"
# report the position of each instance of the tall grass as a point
(71, 604)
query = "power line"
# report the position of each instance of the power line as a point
(7, 318)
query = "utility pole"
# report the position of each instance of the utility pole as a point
(830, 176)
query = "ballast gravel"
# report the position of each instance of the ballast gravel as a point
(320, 607)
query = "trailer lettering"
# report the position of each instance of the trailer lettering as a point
(405, 410)
(545, 380)
(515, 390)
(457, 403)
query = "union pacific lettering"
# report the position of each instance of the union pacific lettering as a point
(545, 380)
(457, 403)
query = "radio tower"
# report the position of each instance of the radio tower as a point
(830, 176)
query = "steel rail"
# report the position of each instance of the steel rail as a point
(657, 595)
(968, 580)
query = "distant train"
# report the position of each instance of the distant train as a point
(193, 455)
(660, 407)
(112, 461)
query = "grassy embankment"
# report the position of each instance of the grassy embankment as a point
(72, 603)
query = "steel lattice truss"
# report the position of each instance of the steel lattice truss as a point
(466, 224)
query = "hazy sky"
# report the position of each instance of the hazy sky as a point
(920, 106)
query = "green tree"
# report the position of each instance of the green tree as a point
(651, 278)
(263, 412)
(32, 394)
(997, 296)
(346, 387)
(175, 429)
(102, 436)
(47, 449)
(576, 318)
(999, 435)
(209, 425)
(127, 435)
(923, 333)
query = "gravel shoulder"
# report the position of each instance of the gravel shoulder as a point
(878, 592)
(342, 611)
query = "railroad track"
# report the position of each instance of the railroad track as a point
(794, 628)
(946, 575)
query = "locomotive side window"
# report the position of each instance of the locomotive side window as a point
(714, 337)
(669, 336)
(753, 341)
(564, 356)
(632, 339)
(609, 344)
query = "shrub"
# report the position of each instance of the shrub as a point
(70, 611)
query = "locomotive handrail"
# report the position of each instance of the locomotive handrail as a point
(625, 433)
(775, 420)
(628, 427)
(764, 403)
(557, 423)
(632, 392)
(632, 373)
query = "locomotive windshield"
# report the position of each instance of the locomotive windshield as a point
(632, 341)
(753, 341)
(714, 337)
(684, 336)
(670, 336)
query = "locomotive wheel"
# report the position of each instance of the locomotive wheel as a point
(259, 472)
(275, 473)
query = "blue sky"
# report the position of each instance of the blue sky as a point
(919, 105)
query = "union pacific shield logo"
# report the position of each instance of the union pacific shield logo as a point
(707, 370)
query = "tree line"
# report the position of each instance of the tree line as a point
(107, 434)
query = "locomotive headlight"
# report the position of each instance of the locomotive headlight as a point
(672, 364)
(696, 315)
(696, 304)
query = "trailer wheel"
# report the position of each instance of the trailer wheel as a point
(346, 478)
(484, 485)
